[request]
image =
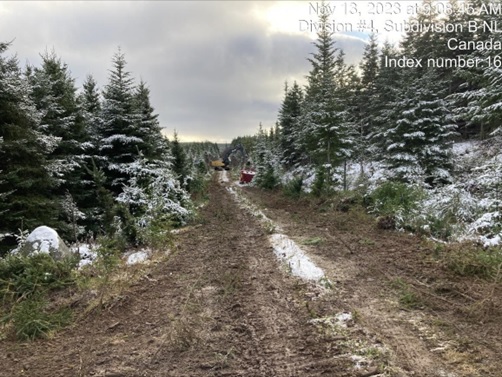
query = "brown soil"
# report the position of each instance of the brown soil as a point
(433, 322)
(222, 305)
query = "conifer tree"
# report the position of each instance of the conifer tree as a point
(266, 161)
(153, 145)
(91, 202)
(179, 166)
(423, 43)
(477, 102)
(418, 144)
(323, 124)
(289, 124)
(387, 89)
(120, 139)
(25, 183)
(90, 103)
(367, 96)
(54, 93)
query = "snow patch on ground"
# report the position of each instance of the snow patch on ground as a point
(137, 257)
(285, 248)
(87, 254)
(224, 176)
(255, 211)
(297, 261)
(338, 320)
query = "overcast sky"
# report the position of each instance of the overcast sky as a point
(215, 69)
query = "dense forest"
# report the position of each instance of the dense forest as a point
(394, 134)
(92, 162)
(87, 162)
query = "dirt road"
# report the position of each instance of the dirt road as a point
(222, 305)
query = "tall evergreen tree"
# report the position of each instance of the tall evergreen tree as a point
(90, 103)
(323, 120)
(120, 139)
(289, 124)
(418, 144)
(180, 167)
(367, 96)
(387, 87)
(477, 102)
(92, 201)
(423, 43)
(54, 93)
(266, 161)
(25, 183)
(148, 129)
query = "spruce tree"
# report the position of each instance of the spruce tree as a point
(477, 101)
(367, 97)
(54, 93)
(148, 129)
(418, 144)
(26, 186)
(323, 135)
(266, 161)
(90, 104)
(289, 124)
(387, 88)
(120, 140)
(91, 202)
(179, 163)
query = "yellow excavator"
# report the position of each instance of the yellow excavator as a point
(224, 162)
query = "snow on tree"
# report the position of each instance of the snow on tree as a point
(479, 104)
(148, 127)
(179, 166)
(153, 190)
(367, 97)
(324, 133)
(26, 184)
(418, 144)
(90, 104)
(120, 140)
(289, 125)
(266, 161)
(381, 108)
(54, 93)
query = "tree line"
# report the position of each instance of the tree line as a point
(406, 119)
(85, 161)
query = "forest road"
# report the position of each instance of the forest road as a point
(222, 305)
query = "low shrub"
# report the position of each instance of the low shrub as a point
(294, 187)
(25, 276)
(469, 260)
(31, 319)
(320, 184)
(25, 283)
(391, 198)
(267, 178)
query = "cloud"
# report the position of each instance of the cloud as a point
(215, 69)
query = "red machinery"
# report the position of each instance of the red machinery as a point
(246, 176)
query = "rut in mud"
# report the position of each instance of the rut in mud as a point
(222, 305)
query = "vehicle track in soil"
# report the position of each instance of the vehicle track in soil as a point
(450, 333)
(220, 305)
